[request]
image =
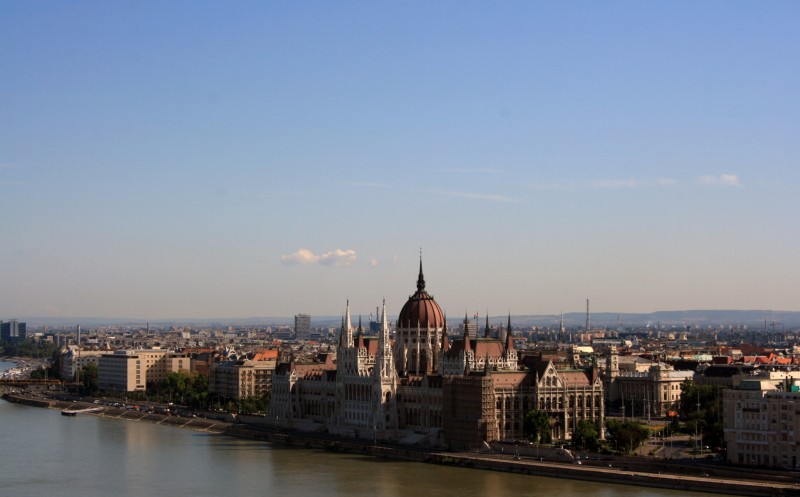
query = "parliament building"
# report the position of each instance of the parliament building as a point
(426, 387)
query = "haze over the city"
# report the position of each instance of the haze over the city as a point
(203, 159)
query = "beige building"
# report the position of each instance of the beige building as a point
(761, 419)
(241, 379)
(133, 370)
(73, 360)
(654, 392)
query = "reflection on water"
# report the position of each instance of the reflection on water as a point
(43, 453)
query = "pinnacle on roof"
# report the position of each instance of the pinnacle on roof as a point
(421, 278)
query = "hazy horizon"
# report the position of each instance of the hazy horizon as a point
(257, 159)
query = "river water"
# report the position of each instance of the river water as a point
(44, 453)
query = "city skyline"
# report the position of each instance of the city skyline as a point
(195, 160)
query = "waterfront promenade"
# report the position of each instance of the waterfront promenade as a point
(679, 478)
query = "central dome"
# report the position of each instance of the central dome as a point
(421, 310)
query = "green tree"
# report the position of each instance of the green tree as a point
(700, 407)
(38, 374)
(536, 427)
(27, 348)
(586, 435)
(89, 379)
(628, 435)
(185, 388)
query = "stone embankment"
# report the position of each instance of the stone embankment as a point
(678, 480)
(201, 424)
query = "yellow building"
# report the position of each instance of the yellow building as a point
(761, 419)
(245, 378)
(132, 370)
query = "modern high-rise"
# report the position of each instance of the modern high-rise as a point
(302, 326)
(12, 331)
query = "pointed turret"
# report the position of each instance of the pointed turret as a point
(360, 334)
(509, 337)
(445, 340)
(385, 358)
(342, 335)
(467, 345)
(486, 330)
(421, 278)
(348, 327)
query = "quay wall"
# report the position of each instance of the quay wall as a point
(506, 462)
(28, 401)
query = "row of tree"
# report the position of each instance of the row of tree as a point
(699, 409)
(182, 388)
(27, 348)
(626, 435)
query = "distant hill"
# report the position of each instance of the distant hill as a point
(752, 318)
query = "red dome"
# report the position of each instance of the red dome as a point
(420, 309)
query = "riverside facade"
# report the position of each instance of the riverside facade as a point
(429, 388)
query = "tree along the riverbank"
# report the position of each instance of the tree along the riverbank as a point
(700, 410)
(627, 436)
(536, 427)
(586, 436)
(189, 389)
(36, 349)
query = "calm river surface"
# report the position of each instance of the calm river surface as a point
(44, 453)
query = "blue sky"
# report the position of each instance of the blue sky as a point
(201, 159)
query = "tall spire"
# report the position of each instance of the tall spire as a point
(588, 322)
(385, 356)
(421, 278)
(486, 331)
(509, 337)
(348, 327)
(342, 335)
(466, 334)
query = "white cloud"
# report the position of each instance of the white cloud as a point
(478, 196)
(602, 184)
(375, 262)
(336, 258)
(721, 180)
(302, 256)
(632, 183)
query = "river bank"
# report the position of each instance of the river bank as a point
(718, 484)
(724, 482)
(23, 367)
